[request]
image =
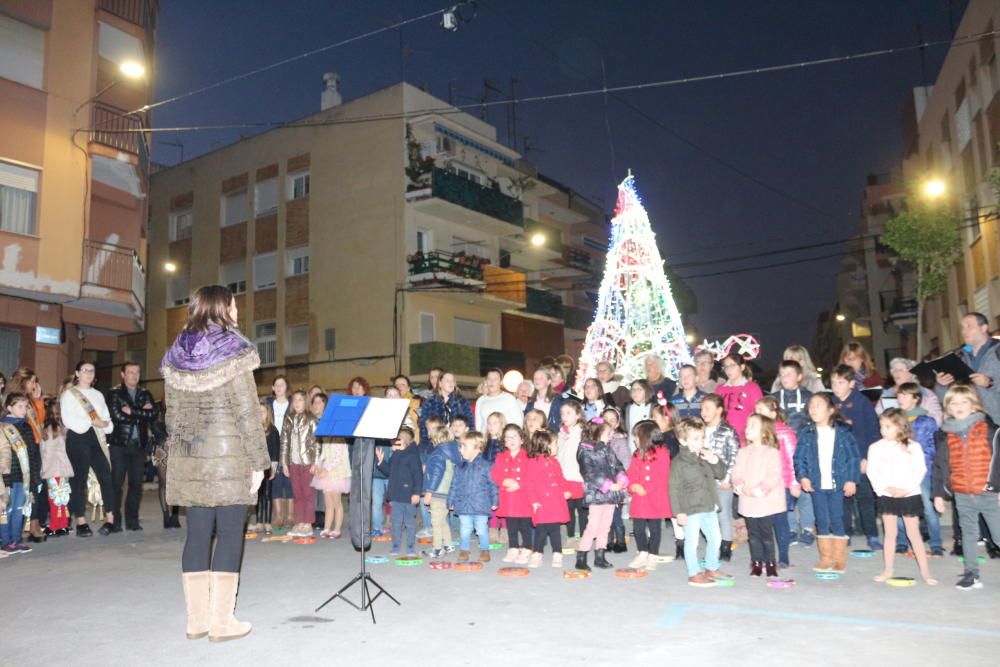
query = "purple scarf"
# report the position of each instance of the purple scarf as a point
(198, 350)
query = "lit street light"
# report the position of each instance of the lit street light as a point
(170, 267)
(934, 188)
(538, 239)
(132, 69)
(841, 317)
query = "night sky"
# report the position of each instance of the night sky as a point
(777, 159)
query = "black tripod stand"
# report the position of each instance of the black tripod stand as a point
(366, 446)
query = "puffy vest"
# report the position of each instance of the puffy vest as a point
(970, 459)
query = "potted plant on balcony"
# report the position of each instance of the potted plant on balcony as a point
(419, 167)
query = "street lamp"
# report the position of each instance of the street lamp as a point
(934, 188)
(538, 239)
(841, 317)
(170, 267)
(129, 69)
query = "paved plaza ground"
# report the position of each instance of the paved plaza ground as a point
(117, 601)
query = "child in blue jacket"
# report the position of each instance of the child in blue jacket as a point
(859, 414)
(473, 496)
(827, 465)
(405, 480)
(439, 471)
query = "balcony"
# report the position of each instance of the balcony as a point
(112, 128)
(139, 12)
(898, 310)
(462, 360)
(466, 273)
(113, 281)
(540, 302)
(506, 284)
(454, 197)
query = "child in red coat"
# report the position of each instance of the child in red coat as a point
(548, 491)
(649, 473)
(510, 473)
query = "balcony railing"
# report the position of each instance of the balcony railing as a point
(467, 194)
(114, 267)
(113, 128)
(461, 359)
(140, 12)
(440, 262)
(896, 307)
(577, 259)
(540, 302)
(505, 283)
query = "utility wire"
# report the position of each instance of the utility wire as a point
(285, 61)
(449, 110)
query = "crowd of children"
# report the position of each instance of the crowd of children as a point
(796, 466)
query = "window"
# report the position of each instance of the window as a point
(18, 199)
(297, 261)
(178, 291)
(426, 327)
(22, 52)
(234, 276)
(467, 172)
(266, 340)
(264, 271)
(265, 196)
(118, 46)
(297, 340)
(470, 332)
(425, 241)
(181, 225)
(234, 208)
(298, 185)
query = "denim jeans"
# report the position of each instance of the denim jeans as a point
(829, 507)
(10, 532)
(806, 519)
(725, 514)
(480, 522)
(930, 517)
(706, 523)
(404, 516)
(782, 535)
(425, 517)
(378, 504)
(969, 508)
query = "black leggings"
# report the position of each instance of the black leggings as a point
(647, 534)
(84, 453)
(551, 531)
(264, 500)
(761, 532)
(580, 517)
(519, 532)
(227, 524)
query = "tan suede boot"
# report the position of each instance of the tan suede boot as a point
(824, 544)
(197, 587)
(223, 625)
(839, 554)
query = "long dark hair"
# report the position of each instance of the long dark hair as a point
(210, 305)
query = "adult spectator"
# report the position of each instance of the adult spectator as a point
(433, 377)
(495, 399)
(133, 413)
(85, 415)
(545, 399)
(704, 365)
(524, 394)
(446, 403)
(403, 384)
(615, 394)
(981, 353)
(657, 379)
(216, 456)
(810, 376)
(900, 370)
(856, 356)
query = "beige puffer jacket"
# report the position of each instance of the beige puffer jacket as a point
(215, 435)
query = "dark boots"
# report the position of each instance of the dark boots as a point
(679, 554)
(956, 549)
(620, 545)
(756, 568)
(771, 569)
(599, 560)
(726, 551)
(581, 561)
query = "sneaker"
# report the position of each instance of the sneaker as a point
(3, 554)
(412, 556)
(10, 549)
(394, 553)
(937, 552)
(793, 538)
(557, 559)
(807, 539)
(510, 556)
(717, 574)
(701, 580)
(23, 548)
(966, 583)
(447, 549)
(536, 559)
(432, 553)
(874, 544)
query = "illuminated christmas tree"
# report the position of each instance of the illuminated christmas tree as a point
(636, 314)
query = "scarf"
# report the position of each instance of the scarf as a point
(962, 426)
(91, 411)
(915, 412)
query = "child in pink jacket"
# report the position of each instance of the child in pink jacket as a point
(757, 481)
(787, 442)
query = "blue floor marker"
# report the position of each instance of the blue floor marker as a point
(675, 614)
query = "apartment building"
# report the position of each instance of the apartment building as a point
(953, 134)
(386, 233)
(73, 178)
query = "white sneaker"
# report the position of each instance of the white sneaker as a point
(640, 561)
(536, 559)
(523, 556)
(557, 559)
(511, 556)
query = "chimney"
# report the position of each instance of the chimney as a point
(330, 96)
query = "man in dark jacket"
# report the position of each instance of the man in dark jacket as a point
(132, 412)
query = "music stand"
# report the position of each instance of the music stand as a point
(362, 418)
